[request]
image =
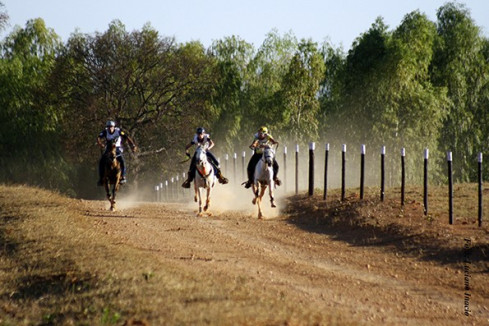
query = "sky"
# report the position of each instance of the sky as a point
(339, 22)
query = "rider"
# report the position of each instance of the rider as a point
(262, 138)
(201, 138)
(109, 133)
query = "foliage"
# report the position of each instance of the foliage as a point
(423, 84)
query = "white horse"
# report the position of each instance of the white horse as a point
(204, 178)
(263, 178)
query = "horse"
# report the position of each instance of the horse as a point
(112, 172)
(204, 178)
(263, 178)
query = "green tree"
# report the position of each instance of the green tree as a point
(155, 89)
(460, 66)
(4, 17)
(233, 57)
(263, 103)
(29, 122)
(299, 93)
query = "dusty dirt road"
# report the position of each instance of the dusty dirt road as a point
(365, 284)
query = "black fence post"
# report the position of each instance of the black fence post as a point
(285, 169)
(167, 195)
(326, 154)
(226, 158)
(480, 190)
(425, 188)
(297, 169)
(243, 163)
(312, 147)
(235, 159)
(362, 171)
(382, 173)
(403, 175)
(450, 188)
(343, 159)
(176, 187)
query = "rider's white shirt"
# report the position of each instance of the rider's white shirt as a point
(204, 140)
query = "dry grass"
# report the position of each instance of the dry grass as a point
(403, 229)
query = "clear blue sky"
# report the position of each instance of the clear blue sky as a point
(339, 21)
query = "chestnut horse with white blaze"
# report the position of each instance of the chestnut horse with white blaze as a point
(263, 178)
(204, 178)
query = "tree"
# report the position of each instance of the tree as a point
(299, 93)
(152, 87)
(3, 17)
(233, 56)
(459, 65)
(29, 123)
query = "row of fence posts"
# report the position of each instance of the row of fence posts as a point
(170, 190)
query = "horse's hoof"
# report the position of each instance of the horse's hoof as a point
(254, 201)
(260, 216)
(195, 199)
(206, 208)
(273, 205)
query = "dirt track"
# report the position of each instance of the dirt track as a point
(365, 284)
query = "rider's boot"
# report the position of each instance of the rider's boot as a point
(248, 184)
(221, 178)
(123, 180)
(186, 183)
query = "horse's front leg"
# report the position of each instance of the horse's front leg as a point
(272, 199)
(197, 194)
(208, 200)
(254, 188)
(107, 192)
(260, 196)
(112, 201)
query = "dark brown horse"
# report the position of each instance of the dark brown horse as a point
(112, 172)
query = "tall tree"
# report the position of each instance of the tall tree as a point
(299, 93)
(459, 65)
(233, 56)
(29, 123)
(151, 86)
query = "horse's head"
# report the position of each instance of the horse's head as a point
(111, 151)
(200, 155)
(268, 155)
(201, 160)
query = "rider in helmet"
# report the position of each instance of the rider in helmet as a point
(109, 133)
(202, 138)
(262, 138)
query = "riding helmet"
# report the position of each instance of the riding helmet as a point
(110, 123)
(263, 129)
(200, 130)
